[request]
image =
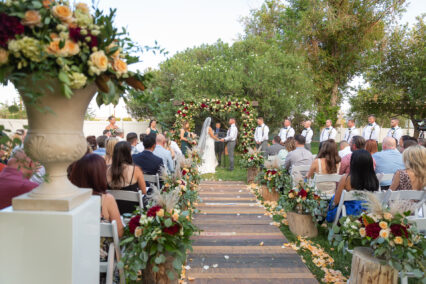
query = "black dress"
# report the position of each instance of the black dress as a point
(128, 206)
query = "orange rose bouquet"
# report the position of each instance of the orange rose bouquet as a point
(45, 38)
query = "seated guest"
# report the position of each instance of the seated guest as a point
(371, 146)
(124, 175)
(139, 146)
(344, 148)
(409, 143)
(90, 172)
(14, 178)
(164, 154)
(422, 142)
(119, 134)
(167, 146)
(147, 161)
(414, 175)
(388, 161)
(132, 139)
(357, 143)
(300, 156)
(174, 146)
(91, 140)
(360, 177)
(289, 145)
(107, 133)
(405, 139)
(327, 162)
(101, 145)
(109, 150)
(275, 148)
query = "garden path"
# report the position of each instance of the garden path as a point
(229, 249)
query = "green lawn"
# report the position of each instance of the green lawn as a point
(222, 172)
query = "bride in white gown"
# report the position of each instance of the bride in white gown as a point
(206, 149)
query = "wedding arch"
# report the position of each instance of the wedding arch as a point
(243, 110)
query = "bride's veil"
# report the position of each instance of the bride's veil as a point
(203, 135)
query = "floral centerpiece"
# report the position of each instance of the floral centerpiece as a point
(252, 159)
(387, 231)
(274, 176)
(156, 242)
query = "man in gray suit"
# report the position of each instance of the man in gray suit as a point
(231, 138)
(300, 156)
(275, 148)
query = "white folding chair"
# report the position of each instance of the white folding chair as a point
(384, 177)
(302, 170)
(272, 157)
(109, 230)
(419, 195)
(320, 178)
(126, 195)
(153, 179)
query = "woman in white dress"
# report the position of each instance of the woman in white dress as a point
(206, 149)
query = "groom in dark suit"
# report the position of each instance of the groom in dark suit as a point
(219, 146)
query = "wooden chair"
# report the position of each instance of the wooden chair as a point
(153, 179)
(109, 230)
(320, 178)
(125, 195)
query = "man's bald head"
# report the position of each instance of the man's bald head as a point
(389, 143)
(160, 139)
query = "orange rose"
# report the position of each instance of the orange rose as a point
(82, 7)
(47, 3)
(4, 56)
(32, 18)
(62, 12)
(53, 47)
(71, 48)
(119, 66)
(98, 62)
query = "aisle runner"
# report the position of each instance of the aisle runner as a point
(238, 244)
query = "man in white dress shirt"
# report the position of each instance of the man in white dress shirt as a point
(351, 131)
(261, 135)
(328, 132)
(231, 138)
(307, 133)
(395, 131)
(287, 131)
(372, 130)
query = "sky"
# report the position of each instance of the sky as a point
(180, 24)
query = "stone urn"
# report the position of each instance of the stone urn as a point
(252, 173)
(55, 139)
(366, 268)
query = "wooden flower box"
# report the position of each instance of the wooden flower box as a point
(302, 225)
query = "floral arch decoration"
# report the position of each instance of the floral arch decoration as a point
(246, 119)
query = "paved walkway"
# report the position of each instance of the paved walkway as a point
(229, 251)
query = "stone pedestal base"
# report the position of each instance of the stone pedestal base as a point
(44, 247)
(28, 202)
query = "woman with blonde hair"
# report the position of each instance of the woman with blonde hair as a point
(414, 175)
(289, 145)
(109, 149)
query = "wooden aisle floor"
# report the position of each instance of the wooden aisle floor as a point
(228, 249)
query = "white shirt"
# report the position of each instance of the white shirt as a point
(174, 146)
(308, 133)
(286, 132)
(345, 151)
(349, 133)
(329, 133)
(371, 132)
(261, 134)
(232, 133)
(395, 133)
(139, 147)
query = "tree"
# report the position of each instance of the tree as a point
(339, 38)
(398, 84)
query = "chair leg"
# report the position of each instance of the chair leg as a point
(404, 280)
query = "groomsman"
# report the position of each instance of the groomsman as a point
(395, 131)
(351, 131)
(261, 135)
(287, 131)
(372, 130)
(328, 132)
(307, 133)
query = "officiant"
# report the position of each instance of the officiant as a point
(219, 146)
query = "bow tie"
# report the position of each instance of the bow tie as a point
(327, 128)
(370, 124)
(285, 127)
(393, 128)
(305, 129)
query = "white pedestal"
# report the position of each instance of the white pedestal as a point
(46, 247)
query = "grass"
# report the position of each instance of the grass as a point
(222, 172)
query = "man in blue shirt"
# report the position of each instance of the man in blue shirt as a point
(164, 154)
(388, 161)
(101, 145)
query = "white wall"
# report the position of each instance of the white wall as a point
(89, 127)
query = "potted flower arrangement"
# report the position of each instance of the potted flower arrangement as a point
(252, 160)
(58, 56)
(273, 179)
(384, 241)
(304, 208)
(156, 242)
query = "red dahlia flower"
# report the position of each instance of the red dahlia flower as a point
(251, 158)
(173, 230)
(185, 108)
(229, 103)
(10, 26)
(152, 212)
(399, 230)
(75, 34)
(134, 223)
(303, 193)
(372, 230)
(184, 172)
(203, 105)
